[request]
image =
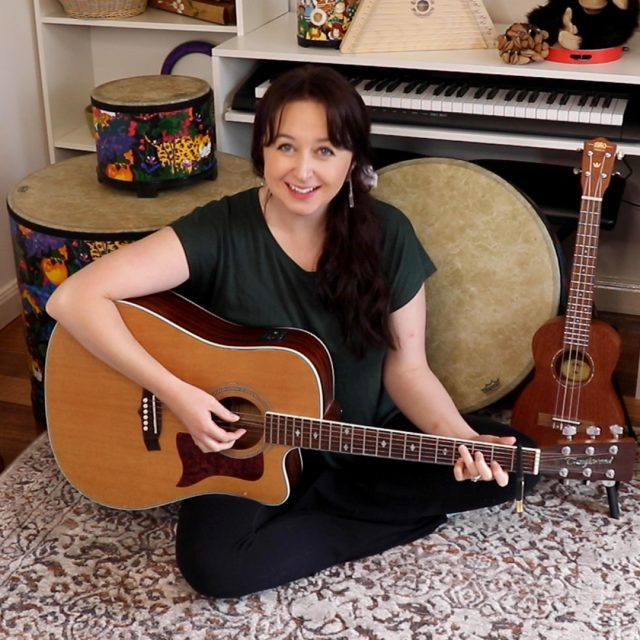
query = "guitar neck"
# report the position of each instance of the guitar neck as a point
(341, 437)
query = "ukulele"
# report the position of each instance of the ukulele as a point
(118, 446)
(575, 355)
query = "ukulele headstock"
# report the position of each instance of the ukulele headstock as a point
(598, 160)
(610, 459)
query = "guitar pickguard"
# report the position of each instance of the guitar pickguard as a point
(196, 465)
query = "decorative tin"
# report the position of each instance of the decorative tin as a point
(323, 23)
(154, 132)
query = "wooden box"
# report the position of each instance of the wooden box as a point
(218, 11)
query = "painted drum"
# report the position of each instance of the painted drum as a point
(154, 132)
(62, 219)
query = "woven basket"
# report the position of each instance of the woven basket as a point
(103, 8)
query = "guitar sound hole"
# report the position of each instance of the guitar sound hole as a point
(251, 419)
(573, 368)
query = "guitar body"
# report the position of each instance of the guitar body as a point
(572, 383)
(95, 415)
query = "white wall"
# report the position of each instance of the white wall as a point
(23, 137)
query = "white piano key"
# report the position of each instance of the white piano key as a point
(261, 89)
(564, 110)
(618, 113)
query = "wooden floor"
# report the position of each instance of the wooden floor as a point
(18, 427)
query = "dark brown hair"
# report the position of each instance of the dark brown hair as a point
(350, 274)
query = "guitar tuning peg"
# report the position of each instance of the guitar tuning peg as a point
(569, 431)
(616, 431)
(593, 431)
(576, 171)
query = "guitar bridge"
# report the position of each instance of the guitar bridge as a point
(150, 413)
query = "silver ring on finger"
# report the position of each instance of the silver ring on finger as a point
(475, 478)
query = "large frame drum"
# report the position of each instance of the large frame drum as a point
(62, 219)
(499, 274)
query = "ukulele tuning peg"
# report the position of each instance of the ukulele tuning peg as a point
(569, 431)
(616, 431)
(593, 431)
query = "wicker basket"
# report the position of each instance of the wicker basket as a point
(103, 8)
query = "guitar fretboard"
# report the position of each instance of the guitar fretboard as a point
(341, 437)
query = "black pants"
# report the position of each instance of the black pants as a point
(229, 547)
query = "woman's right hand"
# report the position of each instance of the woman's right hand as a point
(197, 410)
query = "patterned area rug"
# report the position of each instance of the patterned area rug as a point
(563, 569)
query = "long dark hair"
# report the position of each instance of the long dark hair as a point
(350, 274)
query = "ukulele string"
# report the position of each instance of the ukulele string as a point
(568, 394)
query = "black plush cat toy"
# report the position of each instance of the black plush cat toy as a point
(587, 24)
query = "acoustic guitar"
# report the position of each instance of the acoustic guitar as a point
(116, 444)
(575, 355)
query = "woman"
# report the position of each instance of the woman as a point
(309, 249)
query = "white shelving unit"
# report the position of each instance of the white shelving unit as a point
(236, 58)
(76, 55)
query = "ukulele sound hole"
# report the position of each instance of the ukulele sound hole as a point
(251, 419)
(573, 368)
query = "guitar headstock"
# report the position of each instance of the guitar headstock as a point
(598, 160)
(586, 459)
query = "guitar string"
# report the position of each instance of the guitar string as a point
(398, 449)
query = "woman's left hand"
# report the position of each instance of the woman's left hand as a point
(475, 467)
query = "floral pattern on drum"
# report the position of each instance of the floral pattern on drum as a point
(154, 147)
(43, 262)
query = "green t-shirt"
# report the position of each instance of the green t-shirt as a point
(239, 272)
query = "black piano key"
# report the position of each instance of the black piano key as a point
(381, 84)
(479, 92)
(423, 86)
(595, 100)
(521, 95)
(410, 86)
(492, 93)
(553, 96)
(533, 96)
(462, 91)
(607, 101)
(370, 84)
(509, 95)
(564, 98)
(440, 88)
(393, 85)
(584, 98)
(450, 90)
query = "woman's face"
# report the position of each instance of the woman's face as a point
(302, 169)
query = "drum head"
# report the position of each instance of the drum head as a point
(498, 276)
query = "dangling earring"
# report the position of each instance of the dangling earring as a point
(352, 203)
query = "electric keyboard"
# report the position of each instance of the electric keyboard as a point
(481, 102)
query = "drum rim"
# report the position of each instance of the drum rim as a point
(202, 92)
(546, 232)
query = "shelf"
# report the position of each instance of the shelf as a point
(150, 19)
(77, 140)
(277, 41)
